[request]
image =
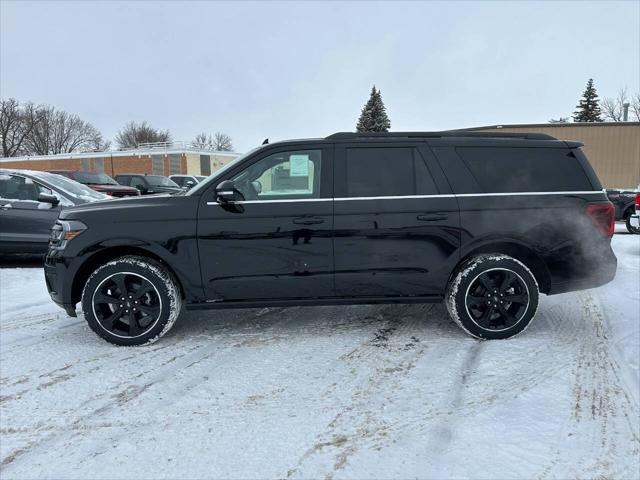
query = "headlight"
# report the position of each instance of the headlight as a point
(64, 231)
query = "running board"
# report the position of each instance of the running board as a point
(311, 302)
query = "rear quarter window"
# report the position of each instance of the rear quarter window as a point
(504, 170)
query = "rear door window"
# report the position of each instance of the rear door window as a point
(505, 170)
(386, 172)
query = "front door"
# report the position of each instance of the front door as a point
(396, 221)
(277, 243)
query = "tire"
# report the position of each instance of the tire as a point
(630, 228)
(131, 301)
(492, 296)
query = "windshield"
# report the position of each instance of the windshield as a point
(160, 181)
(71, 188)
(90, 178)
(221, 170)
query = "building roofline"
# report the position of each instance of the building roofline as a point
(552, 125)
(118, 153)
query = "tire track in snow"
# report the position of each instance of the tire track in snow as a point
(127, 392)
(390, 353)
(599, 399)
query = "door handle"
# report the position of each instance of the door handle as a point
(308, 220)
(432, 217)
(6, 206)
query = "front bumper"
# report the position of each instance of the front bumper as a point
(635, 220)
(57, 279)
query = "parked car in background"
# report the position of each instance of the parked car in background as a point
(634, 220)
(624, 202)
(149, 184)
(187, 181)
(351, 218)
(30, 202)
(100, 182)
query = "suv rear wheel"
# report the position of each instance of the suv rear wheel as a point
(492, 296)
(131, 301)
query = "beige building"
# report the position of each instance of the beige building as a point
(152, 159)
(613, 148)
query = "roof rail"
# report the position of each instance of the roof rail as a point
(446, 133)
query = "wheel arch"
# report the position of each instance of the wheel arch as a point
(106, 255)
(519, 251)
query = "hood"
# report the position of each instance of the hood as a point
(126, 203)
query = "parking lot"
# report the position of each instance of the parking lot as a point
(331, 392)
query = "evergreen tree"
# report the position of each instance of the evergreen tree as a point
(588, 110)
(374, 115)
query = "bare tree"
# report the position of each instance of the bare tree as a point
(16, 124)
(57, 131)
(222, 142)
(559, 120)
(202, 140)
(219, 141)
(133, 134)
(613, 108)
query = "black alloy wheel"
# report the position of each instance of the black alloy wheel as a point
(497, 299)
(132, 300)
(492, 296)
(126, 304)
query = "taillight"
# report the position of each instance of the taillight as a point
(637, 202)
(603, 216)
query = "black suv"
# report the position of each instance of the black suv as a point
(483, 222)
(148, 184)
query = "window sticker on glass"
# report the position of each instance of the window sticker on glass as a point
(299, 165)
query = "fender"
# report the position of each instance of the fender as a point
(516, 246)
(178, 260)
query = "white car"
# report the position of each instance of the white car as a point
(187, 181)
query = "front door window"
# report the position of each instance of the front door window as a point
(283, 175)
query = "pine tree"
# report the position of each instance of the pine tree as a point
(374, 115)
(588, 110)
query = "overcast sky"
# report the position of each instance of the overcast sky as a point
(289, 70)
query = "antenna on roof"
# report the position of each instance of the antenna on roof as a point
(266, 141)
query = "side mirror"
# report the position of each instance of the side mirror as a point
(227, 192)
(46, 198)
(189, 183)
(257, 185)
(142, 188)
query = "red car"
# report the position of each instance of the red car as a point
(100, 182)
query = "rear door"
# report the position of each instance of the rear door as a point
(396, 221)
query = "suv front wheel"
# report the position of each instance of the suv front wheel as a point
(131, 301)
(492, 296)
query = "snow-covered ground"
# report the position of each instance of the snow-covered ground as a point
(332, 392)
